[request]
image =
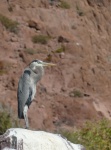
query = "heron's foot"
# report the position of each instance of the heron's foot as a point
(26, 124)
(26, 127)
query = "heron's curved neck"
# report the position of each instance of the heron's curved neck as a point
(38, 71)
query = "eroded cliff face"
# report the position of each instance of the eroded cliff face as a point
(78, 41)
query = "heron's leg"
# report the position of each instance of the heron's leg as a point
(26, 116)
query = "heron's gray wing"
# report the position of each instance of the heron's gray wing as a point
(24, 93)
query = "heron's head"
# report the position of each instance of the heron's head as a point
(38, 65)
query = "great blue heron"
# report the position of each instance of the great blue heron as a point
(27, 86)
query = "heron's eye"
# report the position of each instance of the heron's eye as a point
(37, 61)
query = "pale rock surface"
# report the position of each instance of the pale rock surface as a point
(23, 139)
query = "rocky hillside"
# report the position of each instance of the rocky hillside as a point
(75, 35)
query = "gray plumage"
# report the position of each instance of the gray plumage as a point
(27, 86)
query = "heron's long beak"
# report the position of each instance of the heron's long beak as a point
(48, 64)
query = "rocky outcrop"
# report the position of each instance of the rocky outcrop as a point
(22, 139)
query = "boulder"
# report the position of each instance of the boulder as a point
(23, 139)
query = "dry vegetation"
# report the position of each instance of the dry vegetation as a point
(42, 39)
(7, 118)
(4, 67)
(9, 24)
(94, 136)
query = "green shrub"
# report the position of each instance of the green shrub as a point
(5, 122)
(76, 93)
(30, 51)
(42, 39)
(64, 4)
(7, 118)
(9, 24)
(93, 136)
(60, 50)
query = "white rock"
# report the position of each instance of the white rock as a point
(23, 139)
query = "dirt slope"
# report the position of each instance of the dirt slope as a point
(79, 88)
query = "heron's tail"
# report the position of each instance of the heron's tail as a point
(20, 111)
(20, 116)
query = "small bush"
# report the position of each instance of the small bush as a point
(9, 24)
(30, 51)
(5, 122)
(7, 118)
(64, 4)
(93, 136)
(76, 93)
(60, 50)
(4, 67)
(42, 39)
